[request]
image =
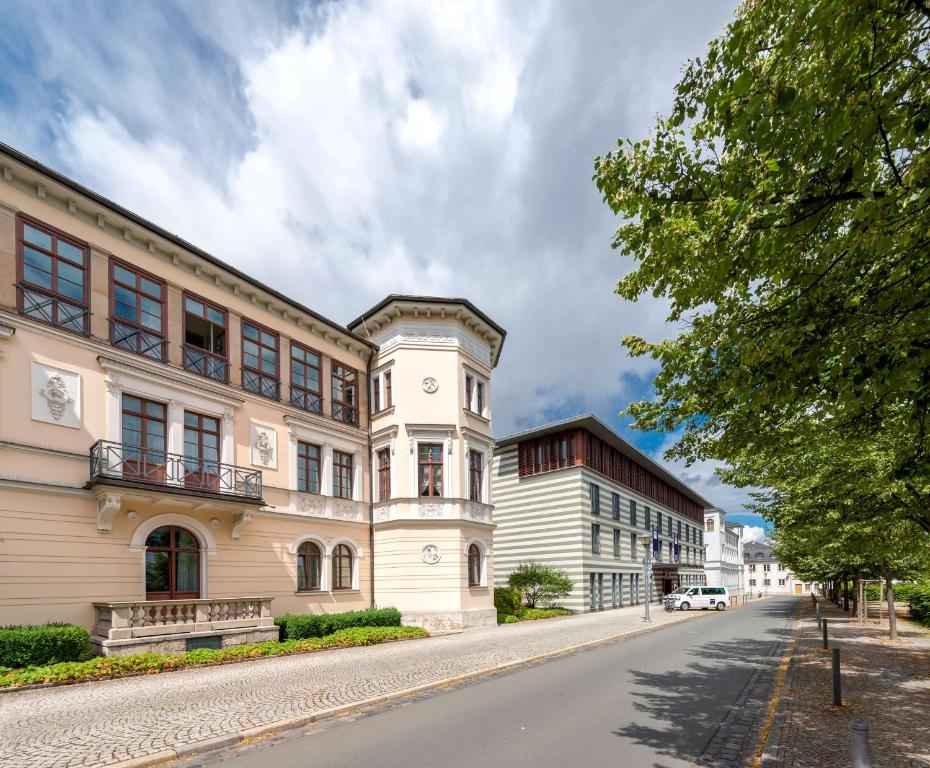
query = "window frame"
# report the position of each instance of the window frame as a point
(338, 469)
(224, 358)
(114, 319)
(342, 551)
(307, 461)
(594, 492)
(306, 392)
(617, 545)
(431, 485)
(614, 505)
(343, 406)
(305, 585)
(475, 475)
(595, 538)
(51, 293)
(475, 565)
(244, 321)
(383, 468)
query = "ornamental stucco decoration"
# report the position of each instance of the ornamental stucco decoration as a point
(430, 509)
(56, 396)
(430, 385)
(264, 446)
(306, 504)
(431, 554)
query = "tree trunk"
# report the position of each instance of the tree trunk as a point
(846, 593)
(855, 605)
(892, 618)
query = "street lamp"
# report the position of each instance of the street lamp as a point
(647, 577)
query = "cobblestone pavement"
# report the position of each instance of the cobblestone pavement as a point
(887, 685)
(103, 723)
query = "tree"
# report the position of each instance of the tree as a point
(783, 208)
(540, 583)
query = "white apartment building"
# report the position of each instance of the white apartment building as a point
(763, 573)
(723, 544)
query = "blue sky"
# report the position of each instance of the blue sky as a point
(341, 151)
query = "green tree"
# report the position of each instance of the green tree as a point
(540, 583)
(783, 208)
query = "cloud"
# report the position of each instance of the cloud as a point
(344, 151)
(754, 533)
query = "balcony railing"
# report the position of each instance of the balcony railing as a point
(306, 399)
(118, 461)
(138, 340)
(53, 310)
(260, 383)
(205, 363)
(345, 413)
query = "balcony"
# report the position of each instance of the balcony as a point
(53, 310)
(205, 363)
(131, 465)
(138, 340)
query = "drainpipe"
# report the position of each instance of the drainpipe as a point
(371, 488)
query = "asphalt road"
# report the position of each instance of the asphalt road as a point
(652, 701)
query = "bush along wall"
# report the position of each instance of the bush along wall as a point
(918, 603)
(39, 645)
(302, 626)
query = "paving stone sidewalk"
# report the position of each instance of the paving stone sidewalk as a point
(104, 723)
(885, 684)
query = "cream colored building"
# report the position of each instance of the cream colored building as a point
(186, 452)
(723, 544)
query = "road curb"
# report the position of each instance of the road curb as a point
(189, 750)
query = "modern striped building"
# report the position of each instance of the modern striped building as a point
(575, 495)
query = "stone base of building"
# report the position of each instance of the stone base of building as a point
(178, 643)
(450, 621)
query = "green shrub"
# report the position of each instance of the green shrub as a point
(302, 626)
(507, 618)
(508, 601)
(38, 645)
(149, 663)
(540, 583)
(531, 614)
(902, 591)
(918, 603)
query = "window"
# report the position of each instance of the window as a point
(342, 567)
(546, 453)
(469, 390)
(172, 564)
(669, 519)
(766, 582)
(615, 506)
(201, 452)
(381, 391)
(384, 474)
(259, 360)
(430, 469)
(306, 392)
(595, 492)
(709, 525)
(308, 467)
(475, 389)
(595, 539)
(309, 567)
(659, 521)
(137, 311)
(616, 543)
(671, 552)
(752, 568)
(479, 397)
(53, 277)
(475, 475)
(345, 394)
(752, 582)
(678, 529)
(204, 349)
(632, 512)
(781, 582)
(143, 435)
(766, 567)
(633, 546)
(342, 475)
(474, 565)
(647, 513)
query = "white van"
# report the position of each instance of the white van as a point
(685, 598)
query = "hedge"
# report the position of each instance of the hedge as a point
(104, 667)
(918, 603)
(38, 645)
(302, 626)
(531, 614)
(902, 592)
(508, 601)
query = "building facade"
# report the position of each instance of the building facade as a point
(185, 452)
(578, 497)
(763, 573)
(723, 551)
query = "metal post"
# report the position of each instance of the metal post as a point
(837, 690)
(647, 575)
(860, 744)
(818, 616)
(825, 646)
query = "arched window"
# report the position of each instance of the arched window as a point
(474, 565)
(342, 567)
(309, 567)
(172, 564)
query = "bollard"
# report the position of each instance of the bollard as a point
(837, 688)
(819, 617)
(860, 744)
(825, 646)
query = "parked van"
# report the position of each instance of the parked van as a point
(686, 598)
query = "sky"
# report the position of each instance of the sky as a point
(342, 151)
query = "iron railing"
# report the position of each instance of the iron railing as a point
(345, 413)
(306, 399)
(138, 340)
(120, 461)
(53, 310)
(205, 363)
(260, 383)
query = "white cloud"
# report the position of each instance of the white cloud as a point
(404, 147)
(754, 533)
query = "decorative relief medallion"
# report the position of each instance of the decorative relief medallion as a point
(384, 513)
(477, 511)
(56, 396)
(431, 554)
(264, 446)
(345, 510)
(430, 385)
(307, 504)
